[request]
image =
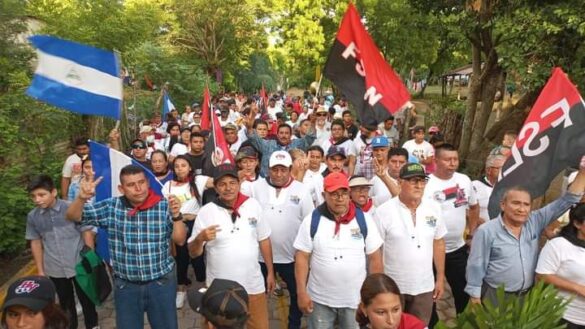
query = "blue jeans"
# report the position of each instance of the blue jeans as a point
(156, 298)
(287, 273)
(323, 317)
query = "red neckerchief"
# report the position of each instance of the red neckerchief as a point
(367, 206)
(239, 201)
(151, 200)
(345, 219)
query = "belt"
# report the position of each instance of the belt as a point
(519, 292)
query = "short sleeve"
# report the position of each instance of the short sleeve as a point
(430, 151)
(68, 167)
(350, 148)
(441, 229)
(197, 227)
(303, 241)
(472, 193)
(373, 240)
(31, 231)
(380, 222)
(549, 260)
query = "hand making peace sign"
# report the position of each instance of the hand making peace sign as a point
(87, 186)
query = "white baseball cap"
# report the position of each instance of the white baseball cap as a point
(280, 158)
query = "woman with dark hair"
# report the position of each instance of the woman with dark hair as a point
(160, 166)
(187, 188)
(173, 133)
(30, 303)
(183, 146)
(381, 305)
(562, 264)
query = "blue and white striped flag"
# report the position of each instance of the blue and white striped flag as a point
(168, 106)
(76, 77)
(108, 163)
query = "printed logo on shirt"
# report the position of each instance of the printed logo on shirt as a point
(431, 221)
(456, 193)
(295, 199)
(252, 221)
(356, 234)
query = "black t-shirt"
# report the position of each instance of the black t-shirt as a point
(197, 162)
(352, 131)
(144, 163)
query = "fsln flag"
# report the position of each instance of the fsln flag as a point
(552, 139)
(168, 106)
(206, 116)
(357, 68)
(76, 77)
(108, 163)
(217, 146)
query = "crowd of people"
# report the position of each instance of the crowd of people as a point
(361, 230)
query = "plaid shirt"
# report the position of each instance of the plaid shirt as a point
(139, 245)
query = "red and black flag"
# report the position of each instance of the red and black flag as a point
(357, 68)
(263, 99)
(552, 139)
(206, 109)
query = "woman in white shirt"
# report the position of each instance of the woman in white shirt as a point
(562, 264)
(185, 188)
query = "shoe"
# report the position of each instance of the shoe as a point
(180, 299)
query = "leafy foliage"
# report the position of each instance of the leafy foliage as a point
(540, 308)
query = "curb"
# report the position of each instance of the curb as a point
(28, 269)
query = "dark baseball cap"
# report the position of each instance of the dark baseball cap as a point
(224, 303)
(411, 170)
(335, 150)
(32, 292)
(246, 152)
(227, 169)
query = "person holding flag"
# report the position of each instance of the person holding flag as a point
(504, 251)
(141, 225)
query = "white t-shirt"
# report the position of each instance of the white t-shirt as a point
(189, 204)
(483, 193)
(379, 192)
(322, 134)
(313, 181)
(273, 110)
(421, 151)
(179, 149)
(408, 248)
(233, 255)
(338, 262)
(562, 258)
(284, 213)
(455, 195)
(347, 146)
(72, 166)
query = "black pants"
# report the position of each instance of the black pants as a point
(64, 289)
(287, 273)
(183, 260)
(571, 325)
(455, 268)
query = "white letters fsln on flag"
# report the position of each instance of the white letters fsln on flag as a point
(76, 77)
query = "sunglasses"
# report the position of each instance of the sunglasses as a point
(139, 146)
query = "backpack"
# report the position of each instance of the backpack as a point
(359, 216)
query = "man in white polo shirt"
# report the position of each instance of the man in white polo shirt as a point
(233, 232)
(413, 230)
(335, 240)
(285, 202)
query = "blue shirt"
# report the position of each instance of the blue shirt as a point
(140, 244)
(499, 258)
(266, 147)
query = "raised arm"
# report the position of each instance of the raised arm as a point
(87, 187)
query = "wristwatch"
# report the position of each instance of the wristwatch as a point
(178, 218)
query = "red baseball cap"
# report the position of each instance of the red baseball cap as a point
(335, 181)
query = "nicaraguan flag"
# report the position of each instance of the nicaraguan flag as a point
(167, 106)
(76, 77)
(108, 163)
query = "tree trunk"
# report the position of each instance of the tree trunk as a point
(488, 93)
(472, 99)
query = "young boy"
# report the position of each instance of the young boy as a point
(55, 244)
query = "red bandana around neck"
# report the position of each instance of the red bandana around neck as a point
(345, 219)
(235, 209)
(151, 200)
(368, 205)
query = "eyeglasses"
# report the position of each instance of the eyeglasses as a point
(139, 146)
(339, 195)
(416, 181)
